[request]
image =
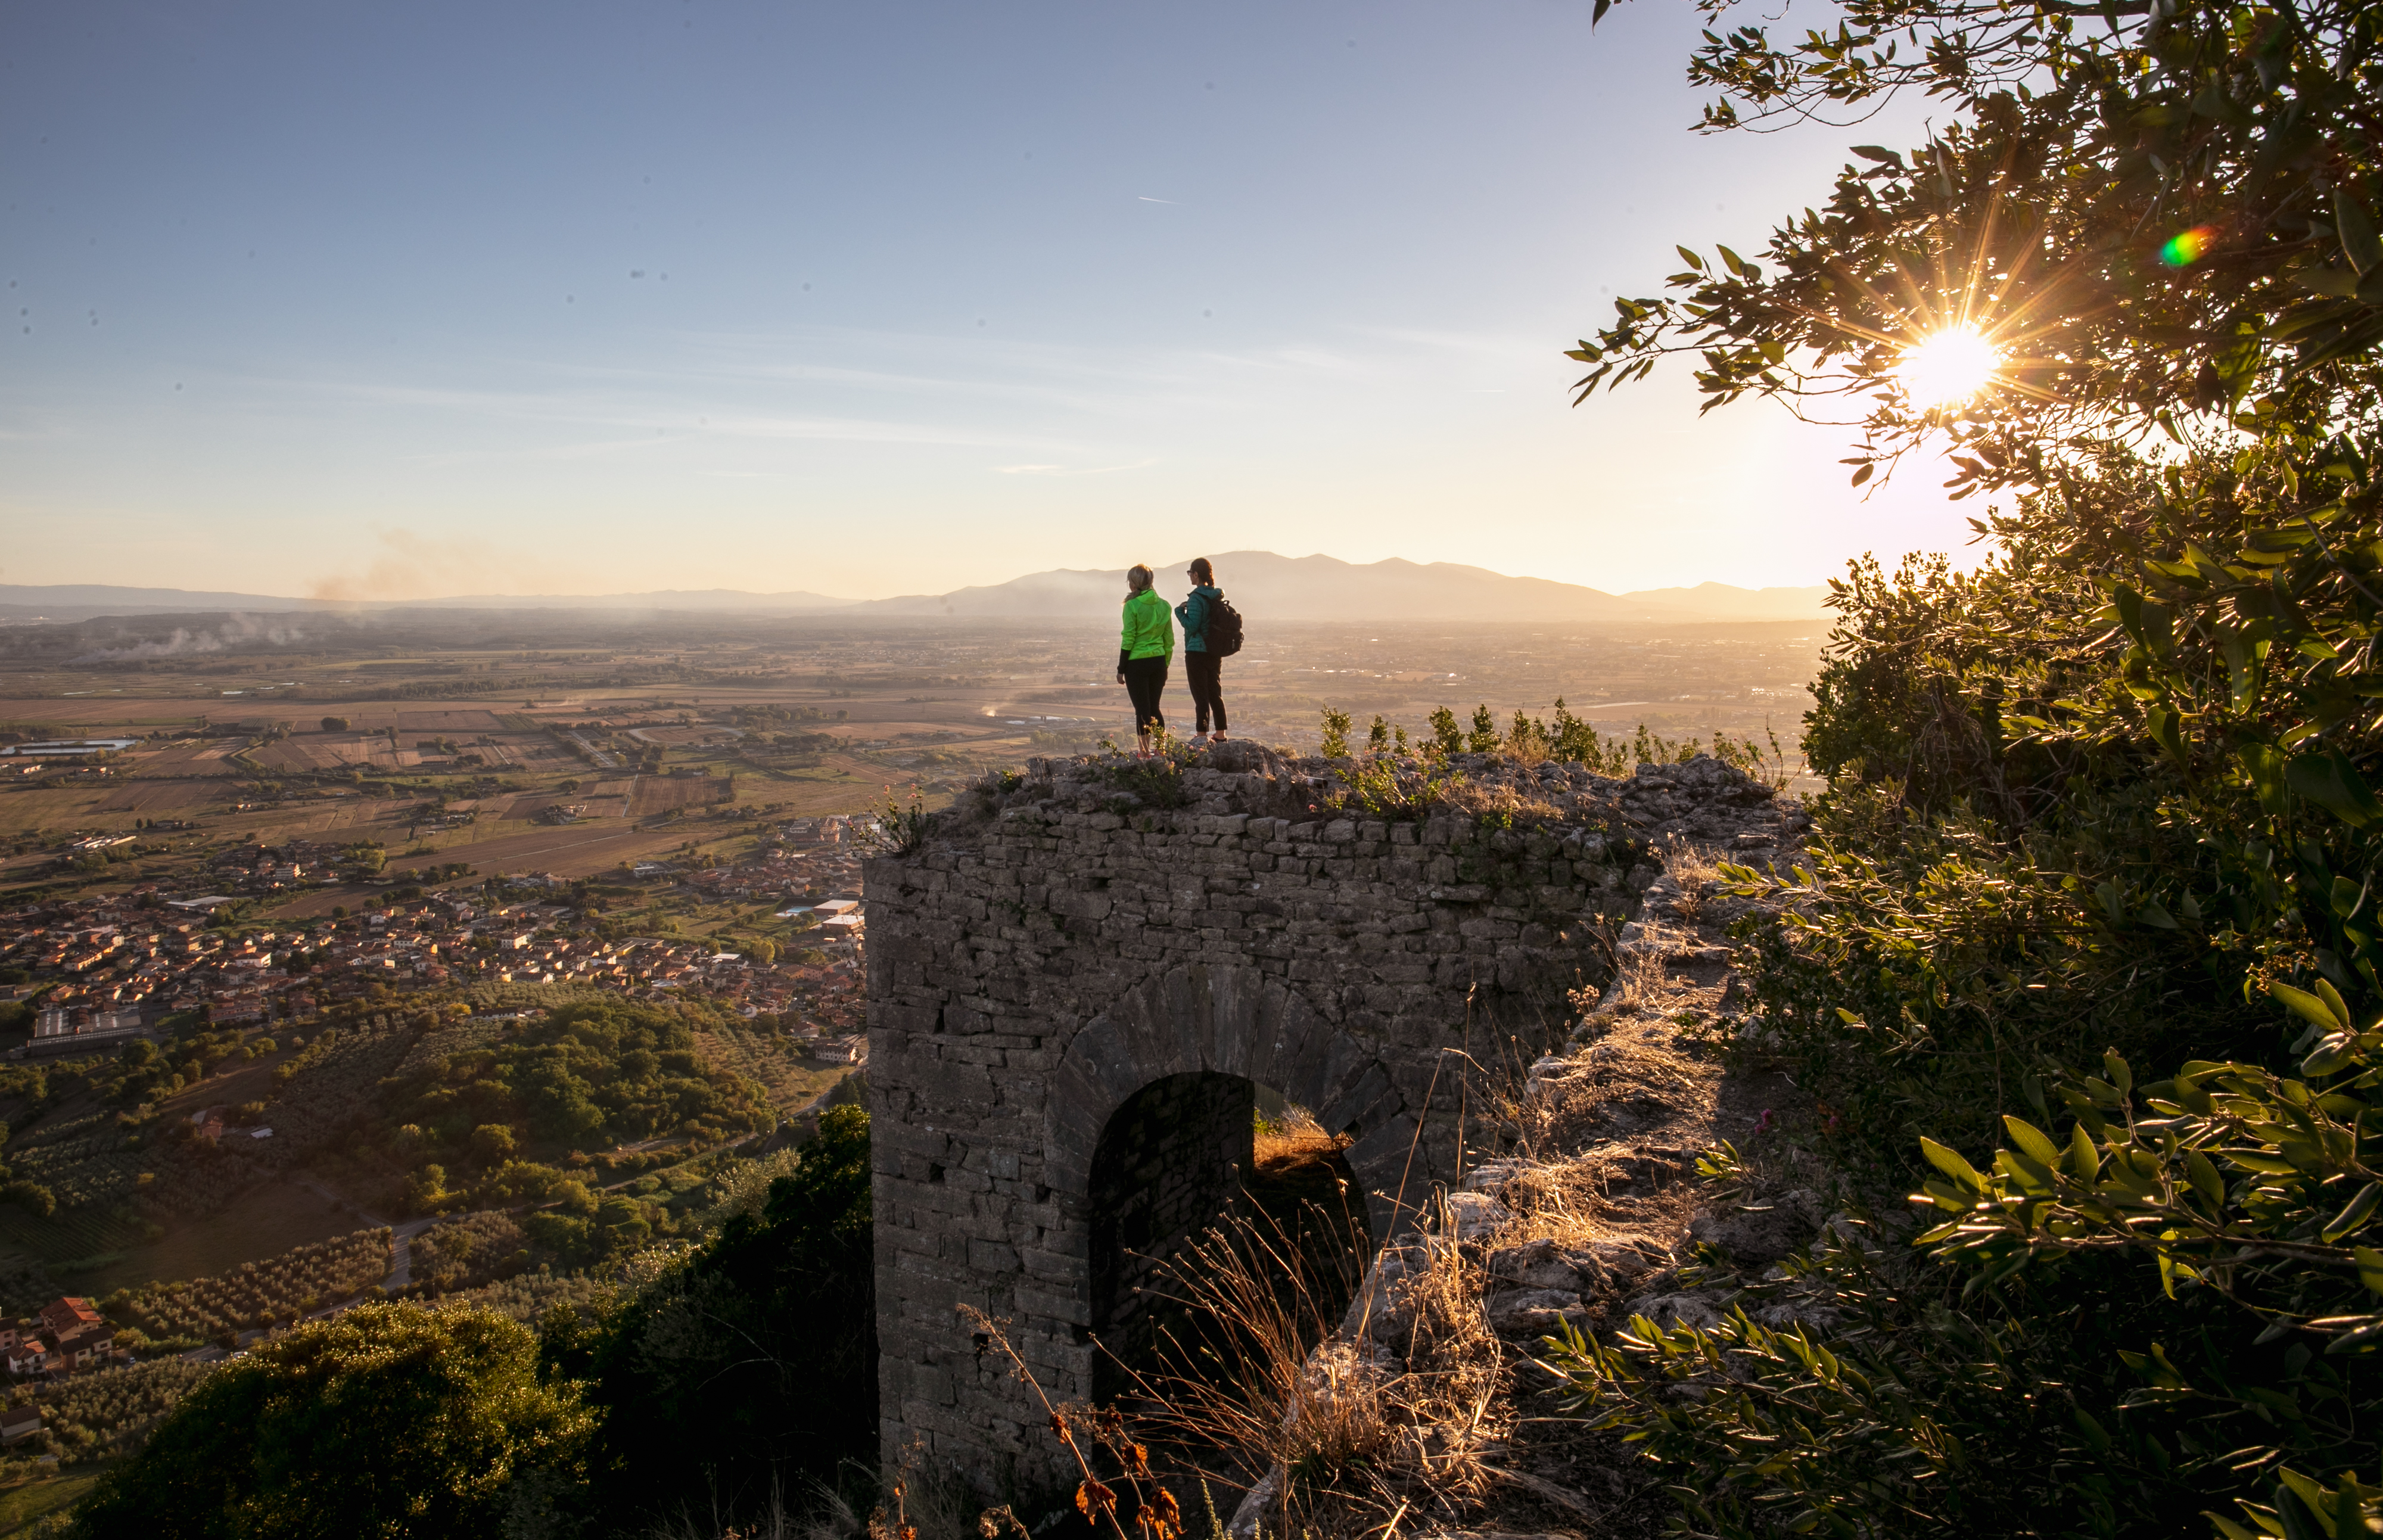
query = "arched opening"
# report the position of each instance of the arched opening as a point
(1196, 1161)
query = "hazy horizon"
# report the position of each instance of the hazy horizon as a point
(726, 586)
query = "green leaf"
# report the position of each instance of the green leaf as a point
(2333, 783)
(2370, 1268)
(2120, 1076)
(2359, 242)
(2301, 1002)
(2330, 1057)
(2354, 1213)
(1949, 1161)
(2264, 767)
(1691, 258)
(2034, 1140)
(2084, 1160)
(2205, 1180)
(2095, 1433)
(2312, 1496)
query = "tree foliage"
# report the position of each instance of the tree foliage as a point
(2157, 209)
(389, 1420)
(2086, 948)
(748, 1364)
(590, 1074)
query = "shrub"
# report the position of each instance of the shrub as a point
(390, 1419)
(2087, 947)
(751, 1361)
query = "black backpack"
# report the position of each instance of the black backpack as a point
(1221, 635)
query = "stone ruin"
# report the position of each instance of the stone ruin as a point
(1086, 978)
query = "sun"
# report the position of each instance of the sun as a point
(1948, 367)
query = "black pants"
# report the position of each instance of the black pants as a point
(1144, 679)
(1207, 693)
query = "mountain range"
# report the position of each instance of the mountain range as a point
(1258, 583)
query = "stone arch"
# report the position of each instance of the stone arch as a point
(1221, 1019)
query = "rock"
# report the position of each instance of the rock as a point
(1472, 1215)
(1622, 1261)
(1756, 1237)
(1814, 1314)
(1490, 1175)
(1542, 1264)
(1553, 1067)
(1532, 1309)
(1671, 1311)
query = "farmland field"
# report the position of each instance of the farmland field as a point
(149, 798)
(776, 1063)
(570, 850)
(323, 752)
(449, 722)
(657, 793)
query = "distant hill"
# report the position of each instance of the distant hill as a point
(83, 601)
(1325, 588)
(1259, 583)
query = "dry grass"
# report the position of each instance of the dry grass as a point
(1556, 1202)
(1640, 978)
(828, 1517)
(1294, 1136)
(1692, 867)
(1499, 803)
(1388, 1419)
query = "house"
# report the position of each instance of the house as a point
(20, 1422)
(84, 1349)
(29, 1357)
(79, 1333)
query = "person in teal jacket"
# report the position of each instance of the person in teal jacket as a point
(1145, 648)
(1200, 665)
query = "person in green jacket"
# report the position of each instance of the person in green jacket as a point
(1145, 648)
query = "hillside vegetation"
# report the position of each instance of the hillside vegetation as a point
(2086, 954)
(724, 1374)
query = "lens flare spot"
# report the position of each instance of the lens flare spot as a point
(2183, 251)
(1948, 367)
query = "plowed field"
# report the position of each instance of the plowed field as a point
(449, 722)
(659, 793)
(160, 796)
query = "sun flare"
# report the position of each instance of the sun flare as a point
(1948, 367)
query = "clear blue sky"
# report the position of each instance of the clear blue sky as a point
(392, 301)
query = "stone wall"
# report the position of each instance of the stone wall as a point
(1065, 941)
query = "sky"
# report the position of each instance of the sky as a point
(385, 302)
